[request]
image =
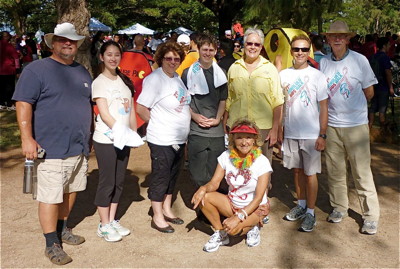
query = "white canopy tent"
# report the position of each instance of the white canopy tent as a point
(136, 29)
(182, 30)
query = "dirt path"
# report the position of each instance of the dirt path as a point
(330, 245)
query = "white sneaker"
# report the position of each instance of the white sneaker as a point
(119, 228)
(216, 240)
(108, 233)
(253, 237)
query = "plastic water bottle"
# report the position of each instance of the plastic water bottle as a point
(28, 176)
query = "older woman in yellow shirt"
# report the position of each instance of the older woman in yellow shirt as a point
(254, 91)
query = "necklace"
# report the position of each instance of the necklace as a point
(246, 162)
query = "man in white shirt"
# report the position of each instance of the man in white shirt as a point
(350, 85)
(306, 118)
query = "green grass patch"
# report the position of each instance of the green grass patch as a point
(9, 131)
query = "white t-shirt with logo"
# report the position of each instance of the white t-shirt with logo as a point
(303, 89)
(119, 101)
(168, 100)
(346, 80)
(242, 183)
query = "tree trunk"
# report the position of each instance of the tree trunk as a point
(225, 10)
(77, 13)
(19, 22)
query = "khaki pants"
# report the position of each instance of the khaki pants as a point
(266, 150)
(351, 143)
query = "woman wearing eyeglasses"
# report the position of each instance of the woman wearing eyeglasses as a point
(164, 105)
(254, 91)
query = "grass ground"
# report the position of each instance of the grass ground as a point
(9, 132)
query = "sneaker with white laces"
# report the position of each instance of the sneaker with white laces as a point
(369, 227)
(108, 233)
(253, 237)
(336, 216)
(296, 213)
(119, 228)
(219, 238)
(308, 223)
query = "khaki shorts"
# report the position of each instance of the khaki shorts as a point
(301, 153)
(58, 176)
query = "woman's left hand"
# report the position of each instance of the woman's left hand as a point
(230, 223)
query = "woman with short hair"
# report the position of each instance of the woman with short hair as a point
(164, 104)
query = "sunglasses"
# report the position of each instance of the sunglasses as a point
(300, 49)
(237, 46)
(252, 43)
(171, 59)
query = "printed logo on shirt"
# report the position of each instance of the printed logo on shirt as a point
(238, 181)
(340, 83)
(183, 97)
(196, 67)
(298, 89)
(125, 109)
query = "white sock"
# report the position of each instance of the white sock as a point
(302, 203)
(311, 211)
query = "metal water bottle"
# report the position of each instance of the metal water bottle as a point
(28, 176)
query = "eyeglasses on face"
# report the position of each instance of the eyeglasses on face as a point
(250, 44)
(237, 46)
(64, 40)
(172, 59)
(295, 49)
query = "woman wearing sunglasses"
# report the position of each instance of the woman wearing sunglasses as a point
(237, 50)
(254, 91)
(164, 104)
(247, 173)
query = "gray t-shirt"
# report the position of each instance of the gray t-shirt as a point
(62, 112)
(207, 105)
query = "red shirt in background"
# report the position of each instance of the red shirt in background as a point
(9, 60)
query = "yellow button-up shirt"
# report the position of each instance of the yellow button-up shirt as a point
(253, 96)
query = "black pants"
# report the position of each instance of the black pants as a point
(165, 164)
(112, 164)
(203, 153)
(7, 83)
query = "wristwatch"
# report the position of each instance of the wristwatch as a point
(240, 215)
(323, 136)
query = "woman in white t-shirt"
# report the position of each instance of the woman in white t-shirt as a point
(112, 91)
(247, 172)
(164, 104)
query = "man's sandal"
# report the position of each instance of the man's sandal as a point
(71, 239)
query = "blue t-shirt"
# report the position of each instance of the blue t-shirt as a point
(384, 63)
(60, 98)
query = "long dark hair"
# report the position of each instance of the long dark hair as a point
(125, 79)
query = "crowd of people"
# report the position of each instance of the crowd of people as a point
(221, 106)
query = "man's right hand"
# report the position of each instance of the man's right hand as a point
(30, 148)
